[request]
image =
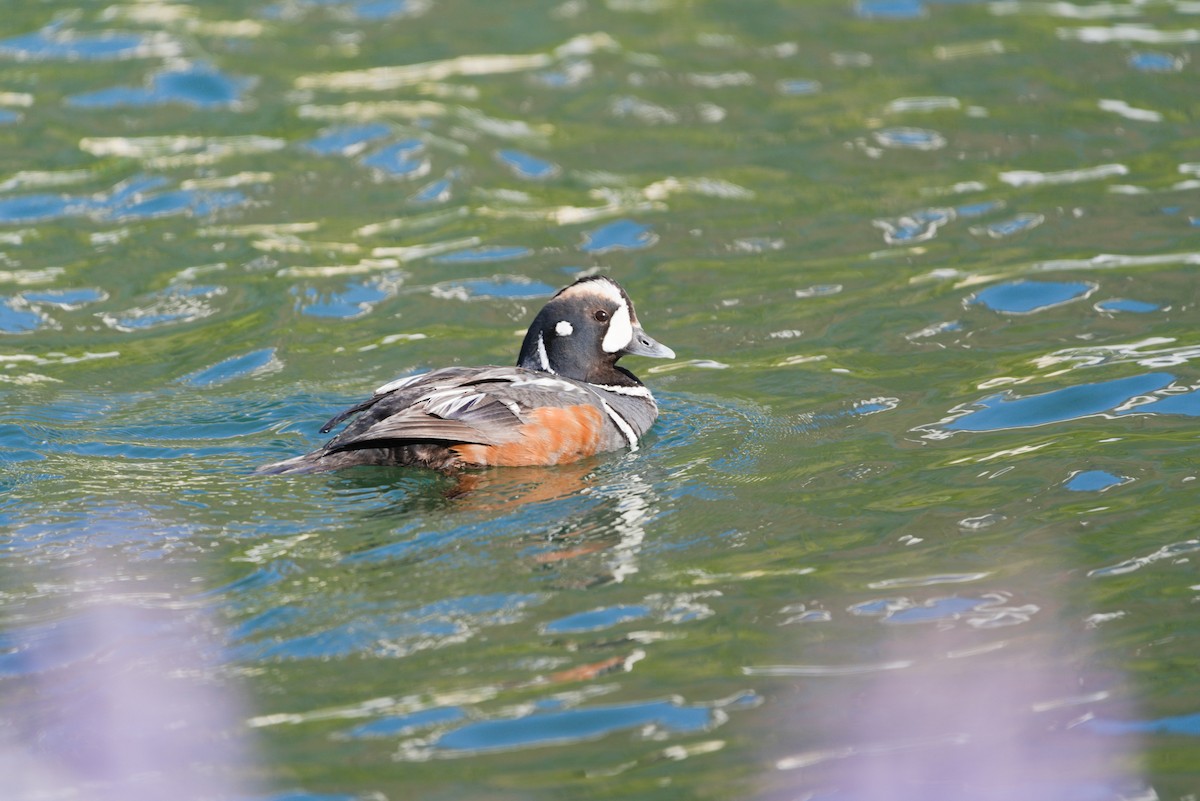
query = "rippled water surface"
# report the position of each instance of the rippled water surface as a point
(918, 519)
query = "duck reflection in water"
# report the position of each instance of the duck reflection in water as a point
(583, 521)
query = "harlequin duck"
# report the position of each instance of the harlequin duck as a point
(565, 399)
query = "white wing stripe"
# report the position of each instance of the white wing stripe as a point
(398, 383)
(637, 392)
(447, 404)
(545, 382)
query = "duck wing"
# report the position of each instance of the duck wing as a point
(481, 406)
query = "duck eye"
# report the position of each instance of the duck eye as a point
(601, 315)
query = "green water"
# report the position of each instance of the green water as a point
(918, 516)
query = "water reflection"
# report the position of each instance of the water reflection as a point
(59, 43)
(515, 286)
(326, 634)
(135, 199)
(999, 412)
(602, 531)
(523, 165)
(1127, 305)
(548, 727)
(348, 140)
(199, 85)
(619, 235)
(404, 159)
(1028, 297)
(582, 526)
(1094, 481)
(254, 363)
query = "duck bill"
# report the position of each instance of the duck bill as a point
(642, 344)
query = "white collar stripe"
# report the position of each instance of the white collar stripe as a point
(623, 424)
(542, 357)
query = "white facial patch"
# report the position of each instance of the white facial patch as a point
(564, 328)
(620, 329)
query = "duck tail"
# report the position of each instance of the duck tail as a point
(297, 465)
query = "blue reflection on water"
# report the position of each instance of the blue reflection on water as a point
(573, 725)
(402, 159)
(266, 576)
(402, 724)
(174, 304)
(198, 85)
(434, 192)
(8, 117)
(1025, 297)
(1155, 62)
(368, 10)
(19, 314)
(999, 412)
(53, 43)
(1186, 404)
(526, 166)
(231, 368)
(491, 253)
(619, 235)
(17, 318)
(1094, 481)
(507, 288)
(380, 9)
(355, 300)
(873, 406)
(418, 544)
(65, 298)
(916, 227)
(180, 201)
(1178, 724)
(1021, 222)
(979, 209)
(889, 9)
(1124, 305)
(35, 208)
(372, 630)
(347, 141)
(596, 619)
(938, 609)
(129, 200)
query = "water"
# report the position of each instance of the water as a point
(917, 518)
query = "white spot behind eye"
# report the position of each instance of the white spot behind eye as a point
(564, 328)
(620, 330)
